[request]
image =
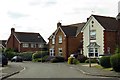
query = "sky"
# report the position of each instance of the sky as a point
(41, 16)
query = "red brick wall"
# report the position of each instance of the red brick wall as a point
(110, 39)
(60, 45)
(13, 43)
(74, 43)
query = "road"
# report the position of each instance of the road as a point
(49, 70)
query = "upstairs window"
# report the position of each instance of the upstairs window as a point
(60, 39)
(93, 35)
(53, 40)
(25, 45)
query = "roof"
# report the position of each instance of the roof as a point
(73, 29)
(93, 44)
(109, 23)
(29, 37)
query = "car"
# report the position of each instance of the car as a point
(17, 59)
(3, 60)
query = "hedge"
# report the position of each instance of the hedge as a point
(115, 62)
(105, 61)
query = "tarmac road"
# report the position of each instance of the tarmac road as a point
(50, 70)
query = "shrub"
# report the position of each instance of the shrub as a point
(9, 53)
(115, 62)
(92, 60)
(105, 61)
(57, 59)
(75, 61)
(27, 56)
(40, 55)
(82, 58)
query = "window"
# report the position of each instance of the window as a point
(33, 45)
(60, 51)
(93, 52)
(53, 40)
(60, 39)
(40, 45)
(52, 51)
(93, 35)
(25, 45)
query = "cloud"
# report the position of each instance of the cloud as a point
(16, 15)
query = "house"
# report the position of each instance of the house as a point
(25, 41)
(100, 36)
(2, 44)
(66, 40)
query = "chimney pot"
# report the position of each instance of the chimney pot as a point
(58, 24)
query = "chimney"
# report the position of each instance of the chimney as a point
(58, 24)
(12, 30)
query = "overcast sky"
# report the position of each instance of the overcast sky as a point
(41, 16)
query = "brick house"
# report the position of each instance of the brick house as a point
(66, 40)
(100, 35)
(25, 41)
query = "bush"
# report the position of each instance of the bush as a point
(40, 55)
(57, 59)
(92, 60)
(9, 53)
(115, 62)
(81, 58)
(75, 61)
(27, 56)
(105, 61)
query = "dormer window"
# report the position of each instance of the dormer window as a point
(60, 39)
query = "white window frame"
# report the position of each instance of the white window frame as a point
(92, 34)
(60, 39)
(60, 52)
(52, 51)
(93, 52)
(25, 45)
(53, 40)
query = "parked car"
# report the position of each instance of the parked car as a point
(3, 60)
(17, 59)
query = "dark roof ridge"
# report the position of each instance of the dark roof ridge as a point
(27, 32)
(104, 16)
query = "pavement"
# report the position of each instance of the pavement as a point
(9, 70)
(84, 68)
(93, 71)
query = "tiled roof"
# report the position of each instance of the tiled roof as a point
(73, 29)
(109, 23)
(29, 37)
